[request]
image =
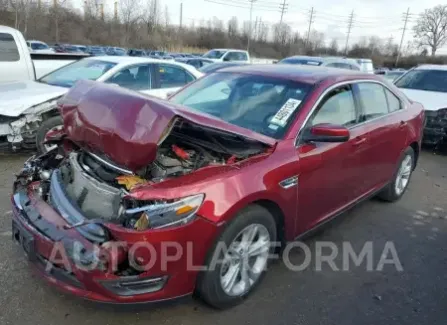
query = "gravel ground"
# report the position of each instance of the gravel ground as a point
(416, 225)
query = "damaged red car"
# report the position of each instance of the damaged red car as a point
(147, 200)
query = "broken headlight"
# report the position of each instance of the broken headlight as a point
(166, 214)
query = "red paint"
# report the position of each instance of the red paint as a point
(330, 130)
(332, 176)
(180, 152)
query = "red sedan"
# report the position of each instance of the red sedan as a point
(146, 200)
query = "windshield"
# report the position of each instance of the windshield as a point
(214, 54)
(80, 70)
(430, 80)
(300, 61)
(39, 46)
(262, 104)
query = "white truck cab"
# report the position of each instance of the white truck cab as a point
(18, 64)
(227, 55)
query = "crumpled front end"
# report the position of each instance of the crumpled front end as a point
(100, 258)
(435, 130)
(19, 132)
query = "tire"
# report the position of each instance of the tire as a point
(390, 193)
(209, 283)
(46, 126)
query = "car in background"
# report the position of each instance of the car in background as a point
(116, 51)
(82, 48)
(393, 74)
(329, 62)
(196, 62)
(68, 48)
(381, 70)
(95, 51)
(366, 65)
(39, 47)
(157, 54)
(27, 108)
(166, 57)
(136, 52)
(227, 169)
(427, 84)
(213, 67)
(227, 55)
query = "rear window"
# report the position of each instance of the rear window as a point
(8, 48)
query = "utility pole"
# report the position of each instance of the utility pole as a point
(255, 34)
(250, 26)
(351, 18)
(283, 6)
(181, 14)
(102, 11)
(115, 15)
(407, 14)
(311, 20)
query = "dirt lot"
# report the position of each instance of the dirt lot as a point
(417, 225)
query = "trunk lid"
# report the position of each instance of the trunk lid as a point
(127, 126)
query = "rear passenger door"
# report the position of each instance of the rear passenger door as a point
(169, 79)
(381, 116)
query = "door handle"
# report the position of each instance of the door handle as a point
(359, 141)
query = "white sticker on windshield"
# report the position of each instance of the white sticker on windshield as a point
(282, 116)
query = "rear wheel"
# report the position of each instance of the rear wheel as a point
(398, 186)
(241, 252)
(47, 126)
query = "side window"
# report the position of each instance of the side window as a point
(354, 67)
(337, 108)
(372, 97)
(229, 56)
(393, 101)
(333, 65)
(243, 56)
(8, 48)
(135, 77)
(172, 76)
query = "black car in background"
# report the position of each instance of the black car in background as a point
(136, 52)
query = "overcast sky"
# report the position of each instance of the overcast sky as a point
(383, 18)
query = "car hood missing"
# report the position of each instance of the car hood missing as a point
(127, 126)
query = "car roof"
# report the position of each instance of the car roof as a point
(300, 73)
(228, 50)
(432, 67)
(134, 60)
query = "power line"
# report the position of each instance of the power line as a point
(403, 34)
(283, 8)
(351, 17)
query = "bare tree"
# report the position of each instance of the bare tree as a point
(129, 16)
(431, 28)
(233, 27)
(333, 47)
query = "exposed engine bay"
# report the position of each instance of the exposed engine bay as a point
(90, 188)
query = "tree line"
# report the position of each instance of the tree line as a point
(147, 24)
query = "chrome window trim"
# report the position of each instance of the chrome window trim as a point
(344, 83)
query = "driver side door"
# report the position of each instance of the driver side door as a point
(330, 173)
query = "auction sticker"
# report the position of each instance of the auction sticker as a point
(282, 116)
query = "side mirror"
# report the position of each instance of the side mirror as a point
(326, 133)
(226, 59)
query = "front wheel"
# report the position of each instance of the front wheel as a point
(52, 124)
(401, 179)
(239, 258)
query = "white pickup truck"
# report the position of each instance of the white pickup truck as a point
(17, 63)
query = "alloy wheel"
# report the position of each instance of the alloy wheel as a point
(403, 175)
(245, 260)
